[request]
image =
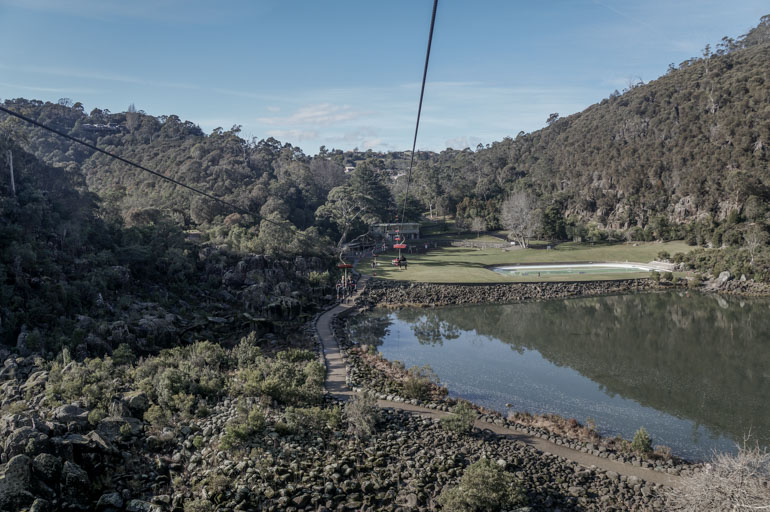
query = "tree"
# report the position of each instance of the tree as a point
(478, 225)
(347, 209)
(367, 183)
(554, 227)
(132, 118)
(552, 118)
(519, 217)
(327, 174)
(754, 238)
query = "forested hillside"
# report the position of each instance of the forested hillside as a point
(683, 156)
(691, 145)
(71, 278)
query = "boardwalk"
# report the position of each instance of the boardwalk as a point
(337, 387)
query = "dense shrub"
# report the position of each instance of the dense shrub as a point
(294, 376)
(460, 420)
(484, 486)
(94, 382)
(245, 425)
(123, 354)
(156, 416)
(361, 413)
(735, 260)
(313, 420)
(182, 378)
(419, 381)
(642, 443)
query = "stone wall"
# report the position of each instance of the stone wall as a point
(396, 293)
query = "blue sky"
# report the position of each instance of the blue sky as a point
(346, 74)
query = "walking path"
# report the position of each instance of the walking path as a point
(336, 386)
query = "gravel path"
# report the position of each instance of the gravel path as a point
(336, 386)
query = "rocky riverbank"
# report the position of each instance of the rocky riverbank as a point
(400, 293)
(254, 452)
(369, 371)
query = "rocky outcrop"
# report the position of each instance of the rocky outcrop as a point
(396, 293)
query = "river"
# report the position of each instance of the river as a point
(693, 369)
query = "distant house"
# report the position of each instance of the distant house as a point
(193, 235)
(349, 168)
(409, 230)
(101, 127)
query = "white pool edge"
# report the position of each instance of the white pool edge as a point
(631, 266)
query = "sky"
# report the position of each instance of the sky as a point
(345, 74)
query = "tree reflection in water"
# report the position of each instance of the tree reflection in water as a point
(698, 357)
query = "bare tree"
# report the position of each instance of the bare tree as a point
(728, 482)
(478, 225)
(520, 217)
(327, 174)
(754, 238)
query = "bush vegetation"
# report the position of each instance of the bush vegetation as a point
(238, 430)
(361, 414)
(727, 482)
(484, 486)
(419, 382)
(642, 443)
(460, 420)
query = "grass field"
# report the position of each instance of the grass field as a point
(468, 265)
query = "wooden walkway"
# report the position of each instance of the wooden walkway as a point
(336, 385)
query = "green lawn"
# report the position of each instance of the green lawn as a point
(468, 265)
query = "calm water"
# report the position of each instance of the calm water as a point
(694, 370)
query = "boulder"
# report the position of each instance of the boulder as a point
(68, 414)
(47, 467)
(25, 440)
(15, 484)
(137, 402)
(75, 484)
(723, 278)
(9, 371)
(110, 428)
(142, 506)
(35, 380)
(40, 505)
(118, 408)
(110, 500)
(76, 444)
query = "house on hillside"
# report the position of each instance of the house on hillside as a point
(409, 230)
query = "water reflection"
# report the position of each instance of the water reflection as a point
(705, 359)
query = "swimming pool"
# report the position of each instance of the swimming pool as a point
(553, 269)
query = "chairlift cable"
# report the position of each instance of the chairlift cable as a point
(154, 173)
(417, 124)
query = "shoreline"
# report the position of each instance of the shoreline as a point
(586, 475)
(382, 293)
(392, 295)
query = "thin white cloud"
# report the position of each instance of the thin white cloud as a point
(57, 90)
(293, 135)
(319, 114)
(101, 76)
(174, 11)
(248, 94)
(273, 108)
(464, 142)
